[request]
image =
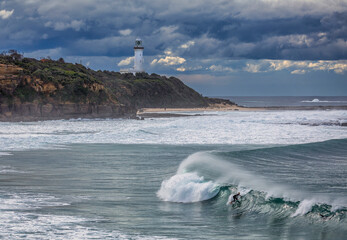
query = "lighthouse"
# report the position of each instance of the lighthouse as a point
(138, 60)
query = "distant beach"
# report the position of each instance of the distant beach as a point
(211, 108)
(182, 112)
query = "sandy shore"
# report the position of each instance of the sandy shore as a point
(212, 108)
(176, 112)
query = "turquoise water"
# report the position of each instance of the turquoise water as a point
(291, 187)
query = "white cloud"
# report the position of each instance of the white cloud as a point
(265, 9)
(60, 26)
(298, 71)
(295, 67)
(154, 61)
(6, 14)
(168, 52)
(222, 9)
(220, 68)
(168, 30)
(169, 61)
(338, 66)
(126, 61)
(77, 24)
(253, 68)
(194, 68)
(187, 45)
(181, 69)
(278, 65)
(125, 32)
(293, 40)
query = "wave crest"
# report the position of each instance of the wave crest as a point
(258, 194)
(187, 188)
(316, 100)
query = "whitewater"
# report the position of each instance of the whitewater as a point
(173, 178)
(275, 127)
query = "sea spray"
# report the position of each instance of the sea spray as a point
(187, 188)
(189, 185)
(304, 207)
(224, 172)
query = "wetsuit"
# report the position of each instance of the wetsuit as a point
(235, 197)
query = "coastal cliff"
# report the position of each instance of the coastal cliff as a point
(40, 90)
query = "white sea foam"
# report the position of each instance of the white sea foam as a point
(187, 188)
(313, 101)
(304, 207)
(227, 172)
(275, 127)
(316, 100)
(17, 222)
(19, 225)
(16, 201)
(224, 172)
(8, 169)
(5, 154)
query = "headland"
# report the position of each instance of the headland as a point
(35, 90)
(32, 90)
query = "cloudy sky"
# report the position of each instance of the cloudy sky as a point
(220, 47)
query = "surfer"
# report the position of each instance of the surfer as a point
(235, 198)
(325, 217)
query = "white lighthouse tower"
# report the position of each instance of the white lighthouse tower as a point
(138, 60)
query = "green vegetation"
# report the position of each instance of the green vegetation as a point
(73, 80)
(78, 84)
(25, 93)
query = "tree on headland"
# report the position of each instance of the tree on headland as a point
(14, 54)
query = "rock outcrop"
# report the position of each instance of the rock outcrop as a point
(9, 77)
(37, 111)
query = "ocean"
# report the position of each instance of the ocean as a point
(172, 178)
(280, 101)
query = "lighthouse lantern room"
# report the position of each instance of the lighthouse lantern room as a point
(138, 61)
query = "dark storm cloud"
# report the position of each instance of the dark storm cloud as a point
(298, 30)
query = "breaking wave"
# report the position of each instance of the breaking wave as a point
(187, 187)
(205, 176)
(316, 100)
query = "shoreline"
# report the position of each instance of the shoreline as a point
(211, 108)
(178, 112)
(143, 113)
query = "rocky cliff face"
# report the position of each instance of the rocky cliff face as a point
(37, 111)
(40, 90)
(9, 77)
(28, 98)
